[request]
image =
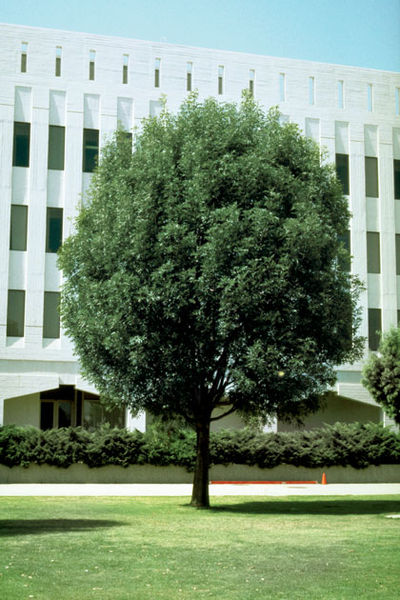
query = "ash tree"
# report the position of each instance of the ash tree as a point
(381, 374)
(205, 272)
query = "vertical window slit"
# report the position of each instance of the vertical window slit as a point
(24, 57)
(125, 68)
(252, 76)
(157, 69)
(189, 76)
(282, 87)
(311, 90)
(58, 61)
(92, 60)
(220, 80)
(369, 97)
(340, 91)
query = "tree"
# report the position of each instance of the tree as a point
(204, 276)
(381, 374)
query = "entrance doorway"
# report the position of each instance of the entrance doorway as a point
(55, 413)
(68, 407)
(57, 407)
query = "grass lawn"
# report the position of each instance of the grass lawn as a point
(160, 548)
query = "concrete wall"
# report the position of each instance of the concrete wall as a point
(232, 421)
(337, 409)
(23, 410)
(151, 474)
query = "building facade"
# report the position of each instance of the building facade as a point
(62, 94)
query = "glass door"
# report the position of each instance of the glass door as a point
(55, 413)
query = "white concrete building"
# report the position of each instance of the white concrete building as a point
(63, 93)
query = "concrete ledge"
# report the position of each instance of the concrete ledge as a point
(80, 473)
(372, 474)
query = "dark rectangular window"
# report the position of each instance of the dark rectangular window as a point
(51, 315)
(54, 229)
(345, 262)
(342, 171)
(23, 62)
(371, 177)
(56, 148)
(373, 252)
(92, 58)
(157, 67)
(18, 227)
(189, 73)
(56, 413)
(94, 414)
(128, 136)
(79, 395)
(16, 313)
(58, 66)
(46, 415)
(64, 414)
(396, 174)
(90, 149)
(220, 80)
(24, 57)
(397, 254)
(22, 134)
(374, 328)
(252, 76)
(125, 68)
(58, 61)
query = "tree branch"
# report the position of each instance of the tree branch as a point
(225, 414)
(220, 371)
(222, 403)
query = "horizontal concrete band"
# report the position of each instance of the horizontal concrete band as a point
(80, 473)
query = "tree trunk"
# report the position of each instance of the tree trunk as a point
(200, 496)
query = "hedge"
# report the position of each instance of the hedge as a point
(356, 445)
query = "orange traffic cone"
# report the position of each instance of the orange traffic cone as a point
(323, 480)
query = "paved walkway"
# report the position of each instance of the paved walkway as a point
(185, 489)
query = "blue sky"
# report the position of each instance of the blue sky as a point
(362, 33)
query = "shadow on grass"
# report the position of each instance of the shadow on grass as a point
(13, 527)
(337, 506)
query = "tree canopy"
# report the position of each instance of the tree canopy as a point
(206, 274)
(381, 374)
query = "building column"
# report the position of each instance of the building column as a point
(389, 422)
(136, 421)
(271, 426)
(388, 229)
(6, 170)
(358, 208)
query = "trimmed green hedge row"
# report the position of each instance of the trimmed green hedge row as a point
(357, 445)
